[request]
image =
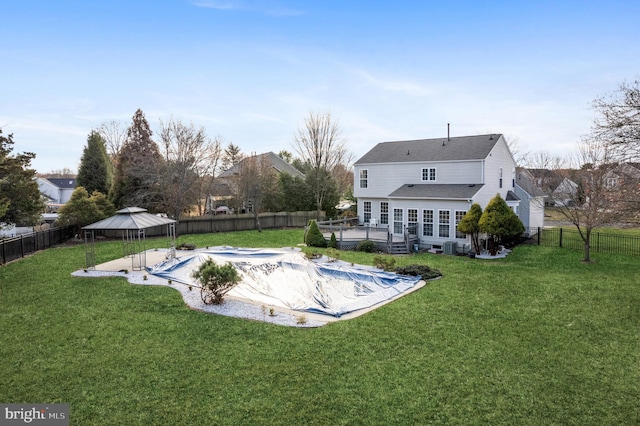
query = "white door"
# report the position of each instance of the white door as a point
(398, 221)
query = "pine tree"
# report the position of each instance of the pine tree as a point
(20, 199)
(470, 224)
(139, 168)
(95, 172)
(500, 223)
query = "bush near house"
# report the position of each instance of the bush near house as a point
(366, 246)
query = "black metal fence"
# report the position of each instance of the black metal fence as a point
(23, 245)
(600, 242)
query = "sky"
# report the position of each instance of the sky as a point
(250, 71)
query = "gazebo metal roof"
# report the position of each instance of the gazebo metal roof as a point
(129, 218)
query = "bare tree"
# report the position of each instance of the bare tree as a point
(606, 192)
(618, 122)
(256, 181)
(114, 134)
(190, 157)
(319, 143)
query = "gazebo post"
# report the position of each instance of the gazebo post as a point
(89, 249)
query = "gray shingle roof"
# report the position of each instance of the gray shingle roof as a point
(63, 183)
(439, 149)
(130, 218)
(436, 191)
(276, 162)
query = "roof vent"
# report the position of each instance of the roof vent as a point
(490, 137)
(410, 185)
(407, 152)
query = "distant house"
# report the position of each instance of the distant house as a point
(426, 186)
(224, 190)
(565, 193)
(57, 190)
(532, 199)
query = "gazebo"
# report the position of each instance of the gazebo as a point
(132, 222)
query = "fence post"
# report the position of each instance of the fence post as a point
(341, 232)
(560, 237)
(539, 232)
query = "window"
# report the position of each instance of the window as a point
(412, 221)
(427, 223)
(611, 182)
(459, 216)
(367, 211)
(513, 178)
(428, 174)
(364, 178)
(398, 218)
(443, 223)
(384, 213)
(500, 177)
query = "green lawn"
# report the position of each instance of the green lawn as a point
(538, 338)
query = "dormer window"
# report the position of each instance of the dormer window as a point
(429, 174)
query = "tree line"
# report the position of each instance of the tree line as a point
(179, 174)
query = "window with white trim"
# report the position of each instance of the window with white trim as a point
(412, 220)
(459, 215)
(427, 223)
(364, 178)
(384, 213)
(443, 223)
(398, 218)
(429, 174)
(366, 210)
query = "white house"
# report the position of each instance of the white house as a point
(430, 184)
(532, 200)
(57, 191)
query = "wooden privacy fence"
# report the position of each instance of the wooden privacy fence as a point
(26, 244)
(229, 223)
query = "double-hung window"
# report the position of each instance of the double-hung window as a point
(384, 213)
(429, 174)
(459, 216)
(364, 178)
(412, 221)
(367, 211)
(427, 223)
(443, 223)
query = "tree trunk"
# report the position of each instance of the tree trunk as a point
(257, 219)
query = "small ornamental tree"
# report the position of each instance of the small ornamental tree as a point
(470, 224)
(215, 281)
(314, 237)
(80, 210)
(333, 242)
(500, 223)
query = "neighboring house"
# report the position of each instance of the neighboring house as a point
(532, 199)
(430, 184)
(565, 193)
(57, 191)
(224, 190)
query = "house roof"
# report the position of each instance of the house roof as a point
(437, 191)
(525, 180)
(439, 149)
(277, 163)
(63, 183)
(129, 218)
(511, 196)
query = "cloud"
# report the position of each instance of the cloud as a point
(271, 8)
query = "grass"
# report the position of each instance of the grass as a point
(536, 338)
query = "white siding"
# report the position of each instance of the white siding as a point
(383, 179)
(498, 158)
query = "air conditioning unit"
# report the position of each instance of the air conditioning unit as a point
(450, 247)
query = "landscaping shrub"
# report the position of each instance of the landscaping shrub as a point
(314, 237)
(366, 246)
(422, 270)
(333, 242)
(186, 246)
(216, 281)
(333, 254)
(386, 263)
